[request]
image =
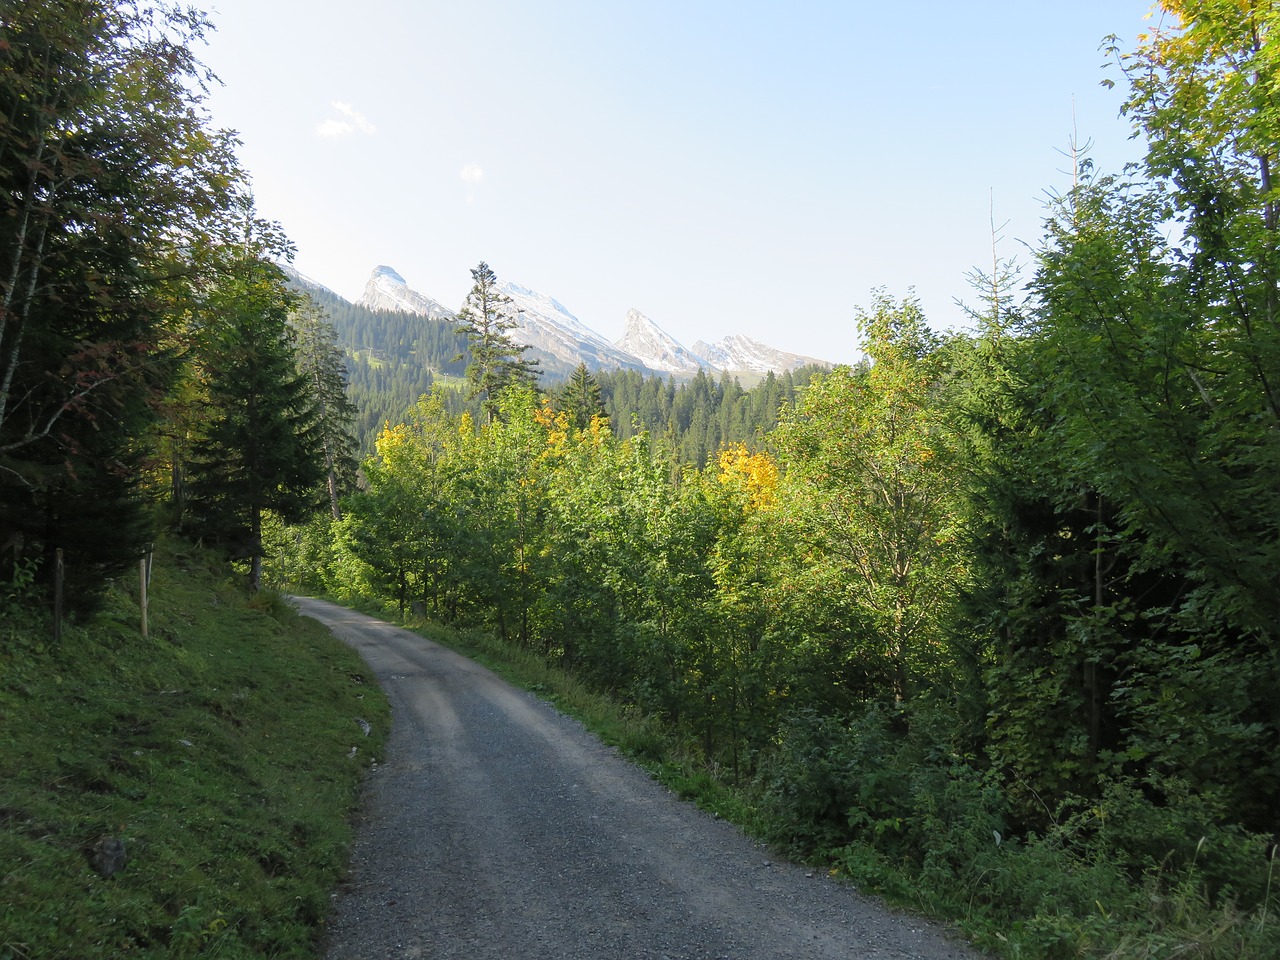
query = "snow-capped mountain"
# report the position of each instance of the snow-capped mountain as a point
(560, 341)
(387, 290)
(655, 348)
(302, 280)
(546, 326)
(739, 352)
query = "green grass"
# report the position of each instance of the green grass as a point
(219, 750)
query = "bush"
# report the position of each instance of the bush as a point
(1148, 869)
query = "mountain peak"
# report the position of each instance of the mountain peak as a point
(740, 352)
(387, 290)
(382, 270)
(655, 348)
(561, 341)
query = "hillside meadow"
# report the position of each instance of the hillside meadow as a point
(224, 751)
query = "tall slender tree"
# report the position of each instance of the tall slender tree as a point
(322, 362)
(496, 360)
(260, 446)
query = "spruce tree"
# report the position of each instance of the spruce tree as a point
(110, 184)
(322, 362)
(580, 398)
(260, 445)
(497, 361)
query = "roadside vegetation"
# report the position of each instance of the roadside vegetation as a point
(224, 752)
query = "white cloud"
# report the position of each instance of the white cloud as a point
(471, 173)
(335, 128)
(354, 122)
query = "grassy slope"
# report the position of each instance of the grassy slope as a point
(219, 751)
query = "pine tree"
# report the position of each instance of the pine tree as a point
(580, 398)
(260, 446)
(497, 361)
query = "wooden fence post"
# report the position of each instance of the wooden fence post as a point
(59, 574)
(142, 593)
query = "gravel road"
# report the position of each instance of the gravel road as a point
(499, 828)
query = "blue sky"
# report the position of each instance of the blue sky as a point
(744, 167)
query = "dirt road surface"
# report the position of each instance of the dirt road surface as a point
(499, 828)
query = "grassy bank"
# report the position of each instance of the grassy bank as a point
(224, 752)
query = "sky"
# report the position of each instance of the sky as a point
(723, 167)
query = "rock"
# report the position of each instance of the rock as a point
(108, 856)
(364, 726)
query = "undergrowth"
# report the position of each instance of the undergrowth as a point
(223, 751)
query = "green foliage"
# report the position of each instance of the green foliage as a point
(495, 361)
(320, 361)
(260, 441)
(872, 493)
(1127, 538)
(111, 190)
(990, 622)
(581, 399)
(218, 750)
(694, 419)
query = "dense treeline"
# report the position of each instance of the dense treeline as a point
(695, 418)
(394, 358)
(1001, 606)
(151, 353)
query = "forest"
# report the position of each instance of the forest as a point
(394, 358)
(993, 616)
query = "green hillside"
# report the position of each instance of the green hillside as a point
(223, 751)
(392, 358)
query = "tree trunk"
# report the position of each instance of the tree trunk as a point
(255, 548)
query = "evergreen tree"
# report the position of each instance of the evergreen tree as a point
(109, 185)
(1132, 514)
(580, 398)
(497, 361)
(260, 443)
(321, 361)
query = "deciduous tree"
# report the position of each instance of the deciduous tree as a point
(871, 489)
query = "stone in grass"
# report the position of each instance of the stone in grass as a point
(108, 856)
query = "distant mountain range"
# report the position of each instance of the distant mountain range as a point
(560, 341)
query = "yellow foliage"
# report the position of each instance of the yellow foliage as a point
(556, 426)
(754, 473)
(391, 440)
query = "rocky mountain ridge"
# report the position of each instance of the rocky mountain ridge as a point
(560, 341)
